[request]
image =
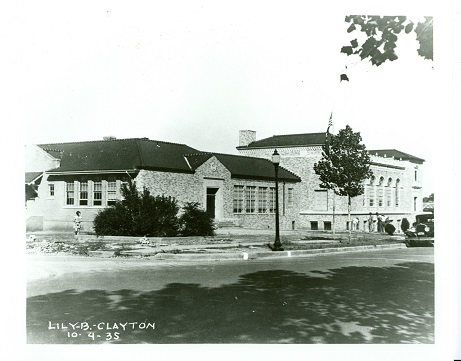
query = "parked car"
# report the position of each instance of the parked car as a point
(422, 232)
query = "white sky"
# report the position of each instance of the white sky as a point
(197, 72)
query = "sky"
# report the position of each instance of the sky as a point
(197, 72)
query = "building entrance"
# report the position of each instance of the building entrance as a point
(211, 201)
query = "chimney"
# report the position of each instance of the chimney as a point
(109, 137)
(246, 137)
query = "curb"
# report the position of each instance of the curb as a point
(269, 255)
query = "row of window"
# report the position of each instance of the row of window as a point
(383, 196)
(252, 199)
(90, 193)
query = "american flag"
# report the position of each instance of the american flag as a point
(330, 121)
(327, 134)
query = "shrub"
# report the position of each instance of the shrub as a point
(195, 221)
(139, 214)
(405, 225)
(389, 228)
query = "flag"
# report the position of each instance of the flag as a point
(327, 135)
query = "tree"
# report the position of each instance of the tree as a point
(381, 36)
(139, 214)
(344, 165)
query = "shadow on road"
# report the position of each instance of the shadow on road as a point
(345, 305)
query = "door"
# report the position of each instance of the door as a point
(211, 201)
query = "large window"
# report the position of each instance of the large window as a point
(111, 191)
(262, 200)
(83, 194)
(250, 199)
(238, 199)
(97, 193)
(272, 200)
(70, 194)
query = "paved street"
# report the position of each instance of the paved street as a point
(375, 297)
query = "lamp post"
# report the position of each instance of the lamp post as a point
(277, 244)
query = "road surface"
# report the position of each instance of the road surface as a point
(376, 297)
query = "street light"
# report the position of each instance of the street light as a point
(277, 244)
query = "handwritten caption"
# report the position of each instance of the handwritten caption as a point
(99, 331)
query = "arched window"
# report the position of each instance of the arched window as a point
(389, 192)
(381, 192)
(397, 192)
(371, 192)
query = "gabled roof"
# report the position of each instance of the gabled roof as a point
(120, 155)
(288, 140)
(31, 177)
(389, 153)
(244, 167)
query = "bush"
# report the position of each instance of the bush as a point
(405, 225)
(139, 214)
(195, 221)
(389, 229)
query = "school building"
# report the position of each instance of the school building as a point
(237, 190)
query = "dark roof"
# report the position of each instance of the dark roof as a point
(31, 177)
(288, 140)
(389, 153)
(121, 154)
(142, 153)
(244, 167)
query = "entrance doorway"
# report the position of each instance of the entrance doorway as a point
(211, 201)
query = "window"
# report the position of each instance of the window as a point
(380, 196)
(290, 197)
(238, 199)
(262, 199)
(111, 192)
(320, 200)
(250, 198)
(371, 192)
(97, 193)
(83, 194)
(271, 200)
(314, 225)
(51, 190)
(327, 225)
(381, 192)
(70, 193)
(389, 192)
(397, 192)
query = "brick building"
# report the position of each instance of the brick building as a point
(86, 176)
(394, 190)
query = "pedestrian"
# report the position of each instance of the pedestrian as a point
(375, 222)
(77, 222)
(380, 222)
(370, 222)
(355, 222)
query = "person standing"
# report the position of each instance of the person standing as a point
(375, 222)
(370, 223)
(380, 222)
(77, 223)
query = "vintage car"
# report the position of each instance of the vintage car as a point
(422, 232)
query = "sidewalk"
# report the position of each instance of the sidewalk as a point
(229, 244)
